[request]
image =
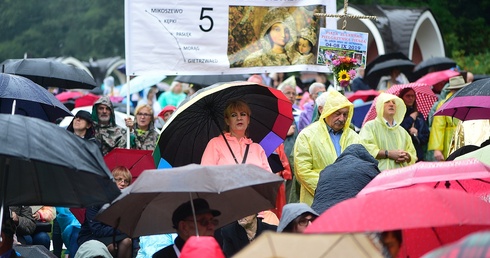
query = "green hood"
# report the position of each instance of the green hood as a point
(105, 100)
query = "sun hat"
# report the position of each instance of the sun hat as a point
(456, 83)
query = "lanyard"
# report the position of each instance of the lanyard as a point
(177, 251)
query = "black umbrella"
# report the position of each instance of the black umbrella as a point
(433, 64)
(50, 73)
(385, 57)
(186, 134)
(24, 97)
(202, 81)
(43, 164)
(384, 68)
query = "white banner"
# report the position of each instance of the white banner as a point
(191, 37)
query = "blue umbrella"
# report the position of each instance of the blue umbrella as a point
(19, 95)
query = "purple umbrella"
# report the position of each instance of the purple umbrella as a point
(470, 103)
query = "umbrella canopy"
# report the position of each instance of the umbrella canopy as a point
(424, 97)
(384, 68)
(234, 190)
(365, 95)
(43, 164)
(428, 218)
(473, 245)
(69, 95)
(206, 80)
(50, 73)
(480, 154)
(469, 103)
(140, 83)
(290, 245)
(19, 95)
(433, 64)
(437, 79)
(469, 175)
(119, 117)
(186, 134)
(385, 57)
(135, 160)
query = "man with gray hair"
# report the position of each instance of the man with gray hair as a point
(305, 118)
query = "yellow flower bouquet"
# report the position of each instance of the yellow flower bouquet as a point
(343, 68)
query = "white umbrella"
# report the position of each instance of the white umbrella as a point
(119, 117)
(140, 83)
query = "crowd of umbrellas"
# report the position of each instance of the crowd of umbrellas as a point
(433, 203)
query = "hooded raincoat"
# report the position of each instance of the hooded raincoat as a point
(110, 136)
(442, 131)
(314, 149)
(376, 135)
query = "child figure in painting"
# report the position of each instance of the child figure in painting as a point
(302, 54)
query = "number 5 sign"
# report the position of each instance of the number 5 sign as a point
(194, 37)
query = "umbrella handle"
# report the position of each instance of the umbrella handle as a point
(194, 214)
(14, 103)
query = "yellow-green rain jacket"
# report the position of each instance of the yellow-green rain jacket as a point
(314, 150)
(442, 131)
(377, 135)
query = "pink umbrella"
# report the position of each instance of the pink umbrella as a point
(469, 175)
(424, 97)
(437, 79)
(428, 218)
(67, 95)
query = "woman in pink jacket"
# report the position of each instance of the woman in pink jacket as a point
(233, 146)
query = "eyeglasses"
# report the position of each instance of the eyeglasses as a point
(121, 180)
(143, 114)
(205, 222)
(305, 221)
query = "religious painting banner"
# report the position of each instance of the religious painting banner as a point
(195, 37)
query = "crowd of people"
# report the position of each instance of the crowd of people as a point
(321, 139)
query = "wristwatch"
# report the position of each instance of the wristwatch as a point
(386, 153)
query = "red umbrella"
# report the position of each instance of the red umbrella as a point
(437, 79)
(87, 100)
(135, 160)
(469, 175)
(424, 97)
(428, 218)
(365, 95)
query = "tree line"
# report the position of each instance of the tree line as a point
(95, 29)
